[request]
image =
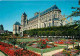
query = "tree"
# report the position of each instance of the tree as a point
(16, 34)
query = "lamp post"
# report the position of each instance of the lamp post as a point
(41, 52)
(67, 44)
(73, 41)
(67, 37)
(14, 41)
(78, 43)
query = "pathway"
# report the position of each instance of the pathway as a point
(52, 52)
(56, 51)
(1, 54)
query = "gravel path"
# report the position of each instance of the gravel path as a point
(52, 52)
(1, 54)
(56, 51)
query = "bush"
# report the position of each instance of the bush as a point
(55, 31)
(77, 47)
(42, 43)
(16, 34)
(30, 44)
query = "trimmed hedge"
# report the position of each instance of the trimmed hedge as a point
(55, 31)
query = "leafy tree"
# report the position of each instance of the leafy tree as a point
(70, 30)
(16, 34)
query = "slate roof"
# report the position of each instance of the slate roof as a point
(44, 12)
(17, 23)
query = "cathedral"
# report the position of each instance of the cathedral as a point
(47, 18)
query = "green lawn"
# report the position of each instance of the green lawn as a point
(44, 50)
(26, 40)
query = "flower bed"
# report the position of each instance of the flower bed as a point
(42, 44)
(11, 51)
(64, 42)
(68, 52)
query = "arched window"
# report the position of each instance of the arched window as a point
(49, 24)
(44, 25)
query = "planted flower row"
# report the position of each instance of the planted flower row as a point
(42, 44)
(11, 51)
(64, 42)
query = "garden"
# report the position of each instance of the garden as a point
(46, 45)
(15, 51)
(69, 52)
(64, 42)
(38, 45)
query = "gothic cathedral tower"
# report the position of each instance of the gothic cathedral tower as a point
(24, 19)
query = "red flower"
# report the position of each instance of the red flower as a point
(44, 42)
(13, 52)
(48, 46)
(47, 39)
(40, 39)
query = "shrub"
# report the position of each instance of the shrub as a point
(77, 47)
(42, 43)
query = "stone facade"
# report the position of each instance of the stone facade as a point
(49, 17)
(16, 28)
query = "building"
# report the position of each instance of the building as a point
(16, 28)
(1, 27)
(2, 31)
(49, 17)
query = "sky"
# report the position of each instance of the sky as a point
(11, 10)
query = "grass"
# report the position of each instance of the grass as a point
(26, 40)
(4, 53)
(44, 50)
(76, 42)
(54, 48)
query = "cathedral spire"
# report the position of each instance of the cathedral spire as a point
(24, 14)
(24, 19)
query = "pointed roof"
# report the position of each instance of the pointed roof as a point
(45, 11)
(1, 27)
(24, 14)
(17, 23)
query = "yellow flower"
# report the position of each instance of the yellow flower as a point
(69, 52)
